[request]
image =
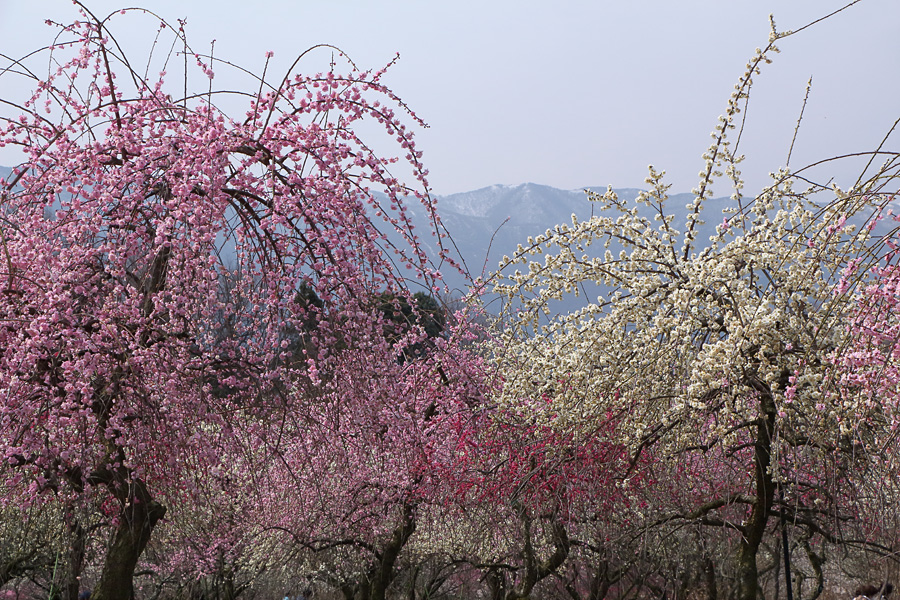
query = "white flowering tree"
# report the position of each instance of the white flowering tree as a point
(711, 356)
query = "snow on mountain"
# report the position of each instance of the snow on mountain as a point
(526, 202)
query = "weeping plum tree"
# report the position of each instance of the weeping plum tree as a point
(126, 364)
(369, 455)
(711, 359)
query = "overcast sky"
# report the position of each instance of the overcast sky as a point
(571, 93)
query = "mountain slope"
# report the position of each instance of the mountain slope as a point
(491, 222)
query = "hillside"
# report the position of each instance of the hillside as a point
(488, 223)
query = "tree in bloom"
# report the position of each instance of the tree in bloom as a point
(714, 356)
(159, 264)
(352, 472)
(864, 379)
(534, 495)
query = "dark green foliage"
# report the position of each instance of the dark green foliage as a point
(425, 312)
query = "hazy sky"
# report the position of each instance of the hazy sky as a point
(571, 93)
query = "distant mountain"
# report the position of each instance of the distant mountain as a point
(491, 222)
(504, 216)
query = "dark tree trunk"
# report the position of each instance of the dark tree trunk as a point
(496, 584)
(604, 577)
(75, 563)
(535, 570)
(382, 573)
(139, 515)
(709, 572)
(601, 582)
(599, 588)
(755, 526)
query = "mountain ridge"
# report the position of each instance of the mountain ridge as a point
(488, 223)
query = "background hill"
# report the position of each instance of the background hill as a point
(491, 222)
(488, 223)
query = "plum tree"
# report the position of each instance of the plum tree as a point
(157, 255)
(711, 359)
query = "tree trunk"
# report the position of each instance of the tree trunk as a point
(381, 574)
(601, 582)
(535, 570)
(496, 584)
(139, 515)
(76, 561)
(755, 526)
(709, 572)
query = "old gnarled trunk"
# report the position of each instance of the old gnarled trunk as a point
(137, 518)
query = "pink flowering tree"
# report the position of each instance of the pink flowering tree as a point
(865, 377)
(868, 371)
(172, 275)
(366, 458)
(524, 500)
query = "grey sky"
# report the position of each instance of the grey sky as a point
(571, 93)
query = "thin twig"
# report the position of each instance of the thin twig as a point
(787, 163)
